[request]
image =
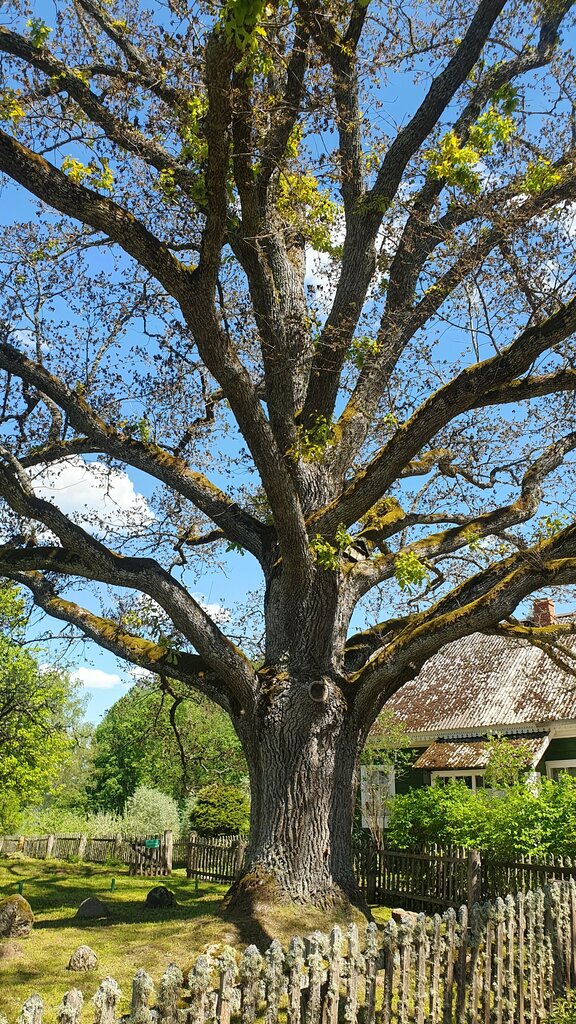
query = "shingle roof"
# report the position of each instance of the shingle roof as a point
(461, 755)
(481, 682)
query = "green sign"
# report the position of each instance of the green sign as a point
(151, 844)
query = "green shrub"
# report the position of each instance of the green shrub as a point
(150, 811)
(219, 809)
(564, 1012)
(43, 821)
(527, 818)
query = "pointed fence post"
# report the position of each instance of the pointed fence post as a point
(474, 877)
(31, 1012)
(106, 1001)
(240, 855)
(70, 1009)
(168, 851)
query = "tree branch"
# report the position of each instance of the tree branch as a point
(82, 554)
(466, 391)
(156, 658)
(240, 527)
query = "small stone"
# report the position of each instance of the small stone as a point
(16, 917)
(83, 959)
(10, 951)
(401, 916)
(160, 897)
(91, 909)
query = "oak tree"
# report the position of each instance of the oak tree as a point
(307, 269)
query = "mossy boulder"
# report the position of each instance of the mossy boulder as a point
(16, 917)
(92, 909)
(160, 897)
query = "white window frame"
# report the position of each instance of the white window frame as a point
(551, 765)
(471, 773)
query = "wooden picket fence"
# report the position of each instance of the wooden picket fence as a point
(130, 850)
(435, 878)
(215, 858)
(505, 961)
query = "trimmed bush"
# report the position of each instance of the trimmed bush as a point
(150, 811)
(219, 809)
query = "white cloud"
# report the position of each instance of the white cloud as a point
(84, 489)
(95, 678)
(216, 611)
(139, 673)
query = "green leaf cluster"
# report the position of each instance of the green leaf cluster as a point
(311, 442)
(540, 176)
(239, 20)
(38, 32)
(410, 571)
(525, 819)
(100, 177)
(11, 108)
(548, 526)
(327, 554)
(308, 209)
(454, 162)
(361, 349)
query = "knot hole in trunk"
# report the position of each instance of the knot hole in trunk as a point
(318, 690)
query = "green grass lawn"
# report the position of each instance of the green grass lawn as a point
(131, 937)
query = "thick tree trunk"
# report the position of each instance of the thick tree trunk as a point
(303, 757)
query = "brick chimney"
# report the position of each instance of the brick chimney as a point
(544, 611)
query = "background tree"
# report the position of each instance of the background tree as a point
(308, 269)
(38, 709)
(174, 741)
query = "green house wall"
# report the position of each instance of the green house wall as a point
(413, 778)
(559, 750)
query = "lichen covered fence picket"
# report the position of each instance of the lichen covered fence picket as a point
(503, 961)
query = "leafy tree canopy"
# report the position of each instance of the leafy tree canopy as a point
(37, 711)
(170, 740)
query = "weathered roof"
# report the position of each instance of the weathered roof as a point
(482, 682)
(474, 754)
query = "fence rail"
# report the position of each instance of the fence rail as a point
(435, 878)
(507, 960)
(130, 850)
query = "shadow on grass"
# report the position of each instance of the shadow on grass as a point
(135, 911)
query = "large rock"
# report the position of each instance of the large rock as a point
(83, 959)
(16, 917)
(160, 897)
(92, 909)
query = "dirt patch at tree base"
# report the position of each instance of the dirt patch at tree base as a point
(10, 951)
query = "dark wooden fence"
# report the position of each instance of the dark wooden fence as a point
(429, 879)
(504, 962)
(215, 858)
(435, 878)
(131, 850)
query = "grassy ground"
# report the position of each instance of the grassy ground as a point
(131, 937)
